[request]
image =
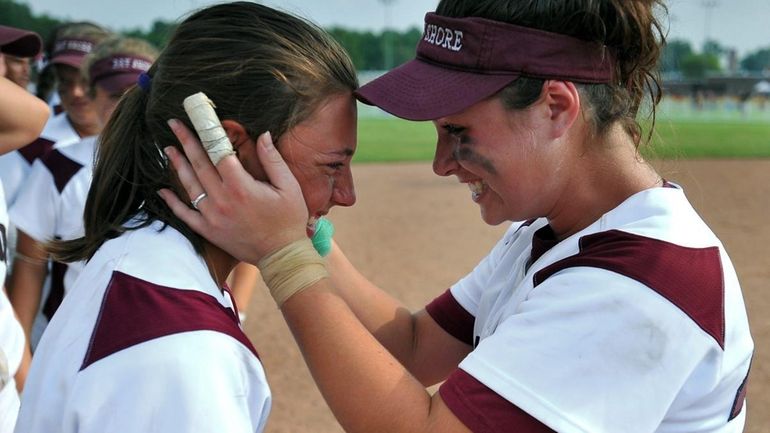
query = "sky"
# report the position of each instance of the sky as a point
(739, 24)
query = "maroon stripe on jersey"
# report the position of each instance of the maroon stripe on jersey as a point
(56, 294)
(452, 317)
(483, 410)
(135, 311)
(3, 242)
(36, 149)
(526, 223)
(740, 397)
(542, 241)
(690, 278)
(61, 167)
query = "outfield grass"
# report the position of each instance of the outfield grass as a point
(388, 140)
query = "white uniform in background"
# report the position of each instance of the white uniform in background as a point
(145, 341)
(50, 206)
(15, 166)
(634, 324)
(11, 337)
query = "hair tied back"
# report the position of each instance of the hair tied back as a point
(144, 81)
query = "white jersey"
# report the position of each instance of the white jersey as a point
(145, 342)
(50, 206)
(635, 324)
(15, 166)
(11, 337)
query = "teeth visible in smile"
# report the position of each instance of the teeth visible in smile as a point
(311, 222)
(476, 187)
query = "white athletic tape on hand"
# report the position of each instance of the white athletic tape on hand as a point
(200, 109)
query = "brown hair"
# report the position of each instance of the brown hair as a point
(263, 68)
(630, 28)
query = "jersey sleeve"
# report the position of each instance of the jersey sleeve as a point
(469, 290)
(585, 352)
(201, 381)
(34, 211)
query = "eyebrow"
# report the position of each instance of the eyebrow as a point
(343, 152)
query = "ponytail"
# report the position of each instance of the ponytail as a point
(129, 169)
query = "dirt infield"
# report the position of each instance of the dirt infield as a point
(414, 234)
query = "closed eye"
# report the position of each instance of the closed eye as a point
(453, 129)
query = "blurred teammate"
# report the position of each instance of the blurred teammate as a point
(22, 117)
(50, 204)
(17, 47)
(79, 120)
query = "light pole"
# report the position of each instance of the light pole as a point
(387, 39)
(708, 6)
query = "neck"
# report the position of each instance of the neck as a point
(219, 263)
(609, 171)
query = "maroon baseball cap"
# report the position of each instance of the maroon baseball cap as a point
(71, 51)
(461, 61)
(118, 72)
(19, 43)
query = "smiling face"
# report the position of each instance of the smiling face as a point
(511, 166)
(318, 151)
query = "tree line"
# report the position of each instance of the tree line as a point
(384, 50)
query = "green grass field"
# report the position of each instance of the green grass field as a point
(383, 139)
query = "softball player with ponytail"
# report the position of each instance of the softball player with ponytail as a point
(148, 337)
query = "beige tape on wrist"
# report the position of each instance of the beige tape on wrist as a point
(292, 269)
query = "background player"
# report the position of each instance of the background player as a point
(22, 117)
(79, 120)
(17, 47)
(50, 205)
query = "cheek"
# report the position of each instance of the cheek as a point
(316, 189)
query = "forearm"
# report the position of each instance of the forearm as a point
(21, 373)
(415, 339)
(364, 385)
(392, 324)
(243, 278)
(22, 116)
(30, 269)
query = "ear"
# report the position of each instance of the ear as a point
(245, 148)
(563, 104)
(236, 133)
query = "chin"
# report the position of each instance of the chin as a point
(493, 219)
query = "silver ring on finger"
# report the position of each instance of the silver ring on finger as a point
(198, 199)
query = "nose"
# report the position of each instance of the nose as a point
(79, 90)
(444, 161)
(344, 192)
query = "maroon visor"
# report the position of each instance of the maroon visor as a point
(71, 52)
(461, 61)
(118, 72)
(19, 43)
